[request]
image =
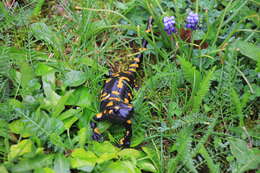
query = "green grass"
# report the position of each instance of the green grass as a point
(197, 110)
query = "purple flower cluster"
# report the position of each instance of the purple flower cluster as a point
(169, 24)
(192, 21)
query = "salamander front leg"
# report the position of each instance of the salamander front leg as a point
(125, 141)
(96, 133)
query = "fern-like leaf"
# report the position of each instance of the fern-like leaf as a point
(239, 104)
(190, 73)
(202, 91)
(183, 147)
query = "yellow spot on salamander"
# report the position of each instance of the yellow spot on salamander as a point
(130, 95)
(115, 74)
(137, 60)
(130, 106)
(126, 101)
(142, 49)
(120, 83)
(121, 141)
(127, 72)
(104, 94)
(117, 107)
(110, 104)
(115, 92)
(148, 30)
(129, 122)
(110, 111)
(106, 97)
(125, 78)
(99, 115)
(132, 69)
(134, 65)
(114, 98)
(108, 80)
(96, 130)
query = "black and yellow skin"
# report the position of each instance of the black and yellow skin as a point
(116, 98)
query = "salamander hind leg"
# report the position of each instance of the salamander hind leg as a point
(125, 141)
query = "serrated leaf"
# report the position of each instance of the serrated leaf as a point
(190, 73)
(183, 146)
(246, 158)
(203, 89)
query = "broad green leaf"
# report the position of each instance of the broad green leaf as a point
(42, 69)
(68, 114)
(129, 152)
(82, 134)
(3, 169)
(106, 156)
(75, 78)
(42, 32)
(68, 122)
(152, 155)
(61, 164)
(59, 107)
(146, 165)
(18, 127)
(82, 164)
(83, 160)
(27, 165)
(70, 117)
(248, 49)
(81, 97)
(137, 139)
(105, 147)
(23, 147)
(120, 167)
(48, 170)
(246, 158)
(83, 154)
(48, 82)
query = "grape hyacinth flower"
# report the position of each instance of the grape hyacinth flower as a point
(169, 24)
(192, 21)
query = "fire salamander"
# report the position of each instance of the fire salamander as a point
(116, 98)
